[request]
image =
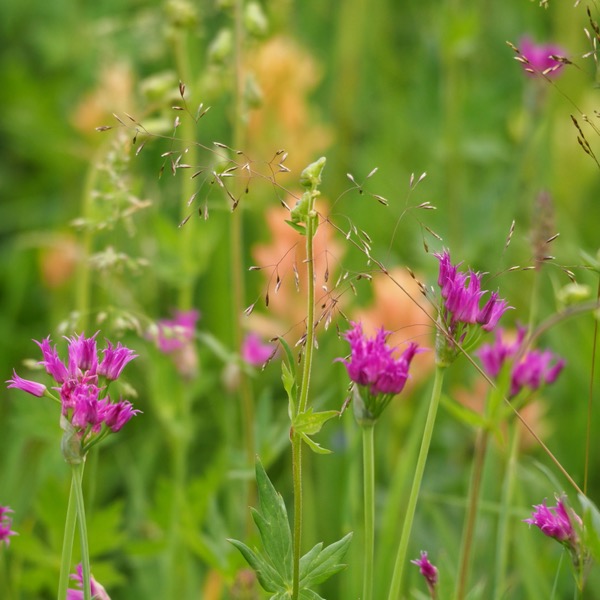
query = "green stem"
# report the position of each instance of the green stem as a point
(416, 485)
(368, 435)
(303, 402)
(85, 552)
(297, 475)
(67, 549)
(481, 444)
(503, 522)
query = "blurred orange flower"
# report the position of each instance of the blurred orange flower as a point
(285, 74)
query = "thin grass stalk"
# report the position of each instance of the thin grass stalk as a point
(436, 393)
(179, 435)
(481, 445)
(237, 258)
(368, 435)
(83, 538)
(502, 537)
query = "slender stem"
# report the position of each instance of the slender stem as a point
(481, 444)
(508, 487)
(303, 402)
(297, 475)
(85, 552)
(310, 318)
(368, 435)
(416, 485)
(67, 549)
(590, 404)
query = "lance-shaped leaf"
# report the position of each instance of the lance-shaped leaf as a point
(320, 564)
(310, 422)
(288, 376)
(268, 577)
(273, 525)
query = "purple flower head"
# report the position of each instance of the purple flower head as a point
(174, 334)
(538, 57)
(52, 363)
(83, 355)
(31, 387)
(114, 360)
(86, 411)
(556, 522)
(533, 369)
(460, 309)
(255, 352)
(116, 415)
(98, 592)
(427, 570)
(5, 525)
(372, 365)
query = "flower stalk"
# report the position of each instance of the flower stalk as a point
(368, 435)
(436, 393)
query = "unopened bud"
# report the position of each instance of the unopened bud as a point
(311, 176)
(255, 20)
(221, 47)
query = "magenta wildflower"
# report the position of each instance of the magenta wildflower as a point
(5, 525)
(534, 368)
(461, 294)
(114, 360)
(87, 412)
(174, 334)
(31, 387)
(539, 59)
(556, 522)
(373, 367)
(429, 572)
(98, 592)
(255, 352)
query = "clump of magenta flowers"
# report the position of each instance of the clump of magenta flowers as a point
(88, 414)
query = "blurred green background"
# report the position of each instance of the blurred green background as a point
(408, 87)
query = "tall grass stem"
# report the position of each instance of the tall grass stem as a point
(436, 393)
(368, 436)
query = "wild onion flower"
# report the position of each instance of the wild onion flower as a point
(98, 592)
(533, 369)
(429, 572)
(538, 58)
(5, 525)
(87, 412)
(557, 522)
(373, 367)
(460, 310)
(254, 351)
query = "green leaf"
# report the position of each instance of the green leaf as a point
(272, 522)
(314, 446)
(268, 577)
(310, 422)
(464, 414)
(309, 595)
(299, 228)
(273, 566)
(318, 565)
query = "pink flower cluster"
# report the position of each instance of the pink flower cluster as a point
(85, 404)
(176, 333)
(377, 372)
(98, 592)
(462, 295)
(533, 369)
(5, 525)
(556, 522)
